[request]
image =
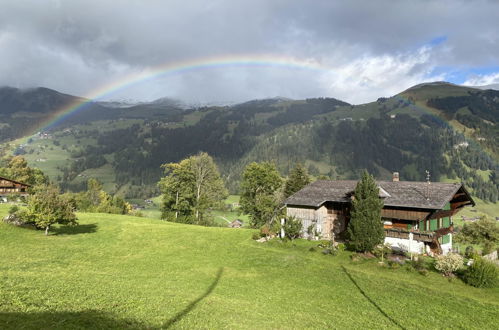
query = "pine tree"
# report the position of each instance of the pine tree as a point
(365, 229)
(298, 178)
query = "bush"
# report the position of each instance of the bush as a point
(424, 272)
(292, 228)
(13, 209)
(393, 264)
(256, 236)
(381, 250)
(447, 264)
(469, 252)
(482, 274)
(487, 248)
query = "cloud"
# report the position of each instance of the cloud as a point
(367, 48)
(483, 80)
(365, 79)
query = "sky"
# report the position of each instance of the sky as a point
(231, 50)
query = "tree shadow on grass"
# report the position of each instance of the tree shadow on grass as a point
(370, 300)
(193, 304)
(88, 319)
(75, 230)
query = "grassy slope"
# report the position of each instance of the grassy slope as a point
(118, 272)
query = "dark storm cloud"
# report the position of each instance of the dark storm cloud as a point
(368, 48)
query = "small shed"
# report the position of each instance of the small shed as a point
(236, 224)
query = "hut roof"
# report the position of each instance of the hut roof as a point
(398, 194)
(14, 181)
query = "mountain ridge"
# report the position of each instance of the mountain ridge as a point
(420, 128)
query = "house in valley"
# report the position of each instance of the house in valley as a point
(236, 224)
(417, 216)
(10, 187)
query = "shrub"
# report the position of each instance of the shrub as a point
(469, 252)
(487, 248)
(482, 274)
(310, 230)
(393, 264)
(447, 264)
(265, 231)
(420, 265)
(381, 250)
(424, 272)
(292, 228)
(13, 209)
(256, 236)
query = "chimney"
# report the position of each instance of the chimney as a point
(395, 177)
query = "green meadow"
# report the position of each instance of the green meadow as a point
(116, 271)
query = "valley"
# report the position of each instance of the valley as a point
(447, 129)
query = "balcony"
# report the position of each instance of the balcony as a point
(424, 236)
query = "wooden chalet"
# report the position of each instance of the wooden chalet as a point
(11, 187)
(417, 216)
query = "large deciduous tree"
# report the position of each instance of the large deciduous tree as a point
(191, 188)
(298, 178)
(260, 189)
(365, 229)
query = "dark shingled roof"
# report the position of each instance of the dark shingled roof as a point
(7, 179)
(399, 193)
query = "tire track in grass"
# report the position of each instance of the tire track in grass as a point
(370, 300)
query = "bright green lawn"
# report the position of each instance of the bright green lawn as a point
(125, 272)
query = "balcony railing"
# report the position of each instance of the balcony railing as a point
(424, 236)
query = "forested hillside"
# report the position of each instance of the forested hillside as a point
(446, 129)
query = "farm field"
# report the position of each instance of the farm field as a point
(125, 272)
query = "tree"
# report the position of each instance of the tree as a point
(298, 178)
(17, 169)
(47, 207)
(260, 189)
(95, 199)
(94, 192)
(365, 229)
(191, 188)
(479, 232)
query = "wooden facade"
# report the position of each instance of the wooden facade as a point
(409, 212)
(10, 187)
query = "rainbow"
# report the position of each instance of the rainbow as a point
(181, 67)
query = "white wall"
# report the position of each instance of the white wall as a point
(402, 244)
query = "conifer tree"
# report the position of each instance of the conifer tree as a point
(365, 229)
(298, 178)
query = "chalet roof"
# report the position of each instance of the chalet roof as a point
(7, 179)
(400, 193)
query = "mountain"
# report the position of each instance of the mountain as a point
(33, 100)
(25, 111)
(447, 129)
